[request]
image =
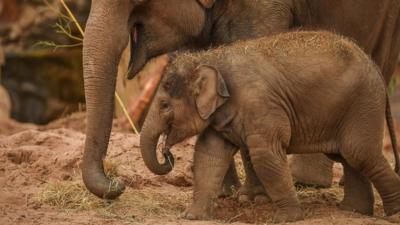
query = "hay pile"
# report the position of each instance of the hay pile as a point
(134, 205)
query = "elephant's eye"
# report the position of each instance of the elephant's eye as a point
(165, 106)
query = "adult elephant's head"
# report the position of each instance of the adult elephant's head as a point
(155, 27)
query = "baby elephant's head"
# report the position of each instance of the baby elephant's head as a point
(182, 107)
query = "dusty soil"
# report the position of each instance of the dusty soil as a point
(40, 184)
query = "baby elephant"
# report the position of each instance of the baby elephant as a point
(294, 93)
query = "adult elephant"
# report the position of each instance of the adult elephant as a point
(160, 26)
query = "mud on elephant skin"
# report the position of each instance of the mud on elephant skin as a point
(158, 26)
(294, 93)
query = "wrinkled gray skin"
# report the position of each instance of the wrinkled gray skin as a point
(166, 25)
(295, 93)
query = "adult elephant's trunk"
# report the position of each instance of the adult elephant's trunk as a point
(107, 34)
(153, 127)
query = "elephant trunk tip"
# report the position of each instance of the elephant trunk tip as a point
(102, 186)
(148, 147)
(164, 168)
(159, 168)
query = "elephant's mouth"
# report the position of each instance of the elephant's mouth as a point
(169, 158)
(138, 59)
(166, 149)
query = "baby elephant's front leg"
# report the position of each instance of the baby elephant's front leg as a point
(211, 161)
(270, 164)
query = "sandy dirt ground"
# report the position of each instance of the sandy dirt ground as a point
(40, 184)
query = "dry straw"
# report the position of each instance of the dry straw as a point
(136, 205)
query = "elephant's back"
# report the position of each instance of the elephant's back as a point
(297, 44)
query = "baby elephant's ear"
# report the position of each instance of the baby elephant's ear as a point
(210, 90)
(207, 3)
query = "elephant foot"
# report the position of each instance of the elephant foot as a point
(358, 198)
(358, 192)
(392, 208)
(395, 218)
(313, 170)
(393, 213)
(290, 214)
(261, 199)
(254, 194)
(196, 213)
(365, 209)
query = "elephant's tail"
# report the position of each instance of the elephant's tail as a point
(392, 133)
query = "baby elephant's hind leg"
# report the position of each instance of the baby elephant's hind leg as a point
(358, 193)
(362, 151)
(387, 182)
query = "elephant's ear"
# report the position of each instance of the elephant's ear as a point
(207, 3)
(210, 90)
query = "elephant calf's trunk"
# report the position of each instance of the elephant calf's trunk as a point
(148, 148)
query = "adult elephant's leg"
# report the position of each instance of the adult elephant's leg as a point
(387, 46)
(212, 158)
(304, 169)
(252, 189)
(231, 181)
(358, 192)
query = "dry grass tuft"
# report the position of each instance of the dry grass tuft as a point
(73, 194)
(133, 205)
(111, 169)
(240, 168)
(323, 195)
(69, 195)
